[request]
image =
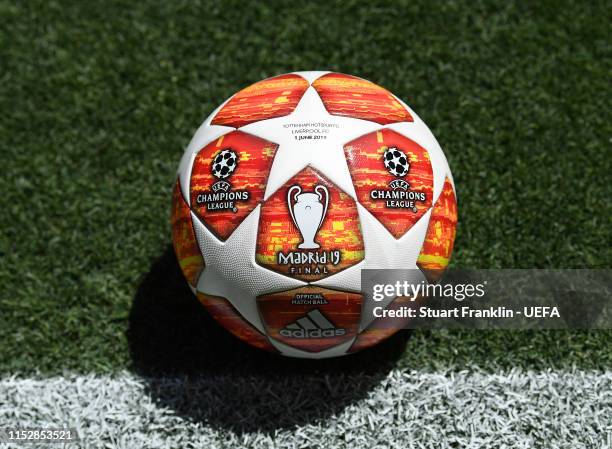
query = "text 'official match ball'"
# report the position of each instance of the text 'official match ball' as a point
(293, 186)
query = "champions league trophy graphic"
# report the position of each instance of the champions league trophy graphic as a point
(307, 212)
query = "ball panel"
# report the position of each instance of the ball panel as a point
(419, 133)
(350, 96)
(228, 180)
(438, 245)
(183, 238)
(398, 202)
(231, 271)
(296, 246)
(334, 351)
(381, 329)
(273, 97)
(311, 318)
(203, 136)
(222, 311)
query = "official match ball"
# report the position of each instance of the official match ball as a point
(291, 188)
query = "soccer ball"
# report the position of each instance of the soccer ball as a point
(293, 186)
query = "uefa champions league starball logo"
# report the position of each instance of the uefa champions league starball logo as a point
(400, 196)
(222, 167)
(224, 164)
(396, 162)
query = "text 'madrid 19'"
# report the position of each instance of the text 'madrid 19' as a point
(293, 186)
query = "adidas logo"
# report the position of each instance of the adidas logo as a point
(312, 325)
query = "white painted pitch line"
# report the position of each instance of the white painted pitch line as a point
(404, 409)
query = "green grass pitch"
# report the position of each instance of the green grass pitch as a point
(98, 101)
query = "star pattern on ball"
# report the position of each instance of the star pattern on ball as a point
(297, 151)
(248, 279)
(382, 251)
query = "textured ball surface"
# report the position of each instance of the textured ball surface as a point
(292, 187)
